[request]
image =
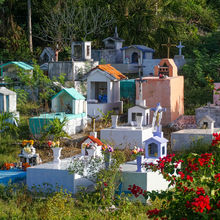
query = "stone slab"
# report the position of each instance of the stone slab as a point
(147, 180)
(186, 138)
(125, 136)
(56, 174)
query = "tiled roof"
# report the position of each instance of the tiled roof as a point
(140, 47)
(95, 140)
(22, 65)
(72, 92)
(111, 70)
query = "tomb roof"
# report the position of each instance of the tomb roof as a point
(140, 47)
(110, 70)
(95, 140)
(5, 91)
(156, 139)
(22, 65)
(139, 106)
(207, 117)
(72, 92)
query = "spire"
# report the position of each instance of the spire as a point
(116, 32)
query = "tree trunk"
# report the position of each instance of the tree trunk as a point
(29, 26)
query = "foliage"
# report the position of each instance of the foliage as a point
(55, 129)
(8, 123)
(197, 74)
(195, 181)
(106, 118)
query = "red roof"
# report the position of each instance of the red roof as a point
(95, 140)
(111, 70)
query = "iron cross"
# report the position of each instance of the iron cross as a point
(168, 45)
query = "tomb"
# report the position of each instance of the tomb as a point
(54, 175)
(47, 55)
(69, 104)
(91, 146)
(216, 94)
(103, 90)
(10, 69)
(29, 155)
(187, 138)
(168, 90)
(155, 148)
(8, 102)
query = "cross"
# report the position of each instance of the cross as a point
(180, 46)
(168, 45)
(140, 80)
(93, 122)
(157, 117)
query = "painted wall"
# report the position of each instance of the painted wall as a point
(137, 109)
(169, 92)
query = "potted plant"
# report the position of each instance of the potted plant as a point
(55, 146)
(139, 153)
(107, 150)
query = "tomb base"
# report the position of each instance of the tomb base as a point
(126, 136)
(187, 138)
(56, 175)
(147, 180)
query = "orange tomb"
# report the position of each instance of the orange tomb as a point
(168, 89)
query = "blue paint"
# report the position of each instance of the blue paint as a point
(14, 176)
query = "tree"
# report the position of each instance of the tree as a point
(72, 21)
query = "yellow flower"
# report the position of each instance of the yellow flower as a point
(57, 143)
(31, 142)
(53, 144)
(135, 151)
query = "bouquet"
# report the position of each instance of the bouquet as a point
(107, 148)
(137, 151)
(53, 143)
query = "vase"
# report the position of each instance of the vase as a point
(139, 163)
(56, 154)
(139, 120)
(107, 159)
(114, 121)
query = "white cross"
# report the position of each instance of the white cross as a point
(157, 117)
(180, 46)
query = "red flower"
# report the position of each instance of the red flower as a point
(136, 190)
(105, 184)
(188, 177)
(153, 212)
(181, 174)
(217, 177)
(200, 190)
(49, 143)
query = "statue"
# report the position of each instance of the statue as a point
(157, 117)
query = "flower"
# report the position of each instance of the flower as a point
(217, 177)
(27, 150)
(153, 212)
(25, 142)
(53, 143)
(107, 148)
(200, 203)
(25, 166)
(137, 151)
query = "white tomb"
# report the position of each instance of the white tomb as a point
(132, 134)
(54, 175)
(155, 148)
(8, 101)
(103, 90)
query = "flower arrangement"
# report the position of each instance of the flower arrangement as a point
(28, 146)
(137, 151)
(7, 166)
(53, 144)
(25, 166)
(107, 148)
(27, 142)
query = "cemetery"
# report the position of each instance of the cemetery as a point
(109, 110)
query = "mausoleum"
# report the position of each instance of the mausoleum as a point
(103, 89)
(168, 90)
(69, 104)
